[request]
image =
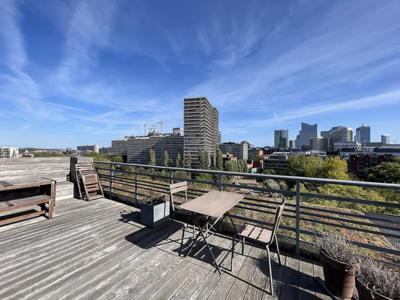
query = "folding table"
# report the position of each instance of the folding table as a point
(214, 205)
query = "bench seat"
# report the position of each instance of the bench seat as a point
(24, 202)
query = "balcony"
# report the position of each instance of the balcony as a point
(99, 250)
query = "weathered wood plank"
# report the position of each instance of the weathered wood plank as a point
(241, 283)
(289, 290)
(224, 284)
(320, 293)
(306, 280)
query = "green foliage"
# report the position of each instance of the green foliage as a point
(187, 161)
(152, 158)
(231, 166)
(313, 166)
(48, 154)
(178, 161)
(386, 172)
(335, 167)
(306, 166)
(219, 162)
(105, 157)
(351, 192)
(204, 160)
(166, 161)
(242, 166)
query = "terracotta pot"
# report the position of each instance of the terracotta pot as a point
(365, 293)
(339, 277)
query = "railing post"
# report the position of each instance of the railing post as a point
(297, 217)
(171, 177)
(220, 186)
(136, 186)
(111, 181)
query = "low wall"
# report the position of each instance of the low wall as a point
(56, 168)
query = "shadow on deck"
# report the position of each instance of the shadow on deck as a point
(98, 250)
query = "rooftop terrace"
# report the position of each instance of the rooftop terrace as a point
(98, 250)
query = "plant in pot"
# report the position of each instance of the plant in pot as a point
(155, 210)
(376, 280)
(339, 265)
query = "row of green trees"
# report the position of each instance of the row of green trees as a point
(336, 168)
(205, 161)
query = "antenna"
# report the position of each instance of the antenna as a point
(161, 126)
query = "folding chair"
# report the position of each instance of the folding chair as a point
(262, 236)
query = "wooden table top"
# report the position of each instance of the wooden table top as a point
(213, 204)
(23, 183)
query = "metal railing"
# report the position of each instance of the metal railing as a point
(133, 183)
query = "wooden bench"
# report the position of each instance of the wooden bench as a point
(19, 195)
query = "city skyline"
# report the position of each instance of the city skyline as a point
(88, 72)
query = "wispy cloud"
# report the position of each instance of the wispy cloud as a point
(378, 100)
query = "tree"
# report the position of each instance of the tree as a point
(307, 166)
(165, 159)
(219, 161)
(178, 161)
(242, 166)
(204, 161)
(152, 158)
(335, 168)
(187, 161)
(388, 172)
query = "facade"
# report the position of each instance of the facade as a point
(363, 134)
(239, 150)
(341, 134)
(9, 152)
(291, 144)
(88, 148)
(385, 139)
(278, 162)
(349, 146)
(138, 147)
(201, 127)
(307, 132)
(281, 139)
(177, 131)
(319, 143)
(357, 163)
(120, 147)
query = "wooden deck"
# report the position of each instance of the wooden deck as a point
(98, 250)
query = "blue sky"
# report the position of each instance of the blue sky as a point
(75, 72)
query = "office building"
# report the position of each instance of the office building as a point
(341, 134)
(291, 144)
(319, 143)
(385, 139)
(201, 127)
(278, 162)
(347, 146)
(177, 131)
(239, 150)
(306, 132)
(281, 139)
(88, 148)
(363, 134)
(9, 152)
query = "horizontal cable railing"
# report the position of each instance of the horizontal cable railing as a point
(307, 214)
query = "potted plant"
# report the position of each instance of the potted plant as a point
(154, 211)
(339, 265)
(375, 280)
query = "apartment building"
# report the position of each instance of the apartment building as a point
(239, 150)
(201, 127)
(9, 152)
